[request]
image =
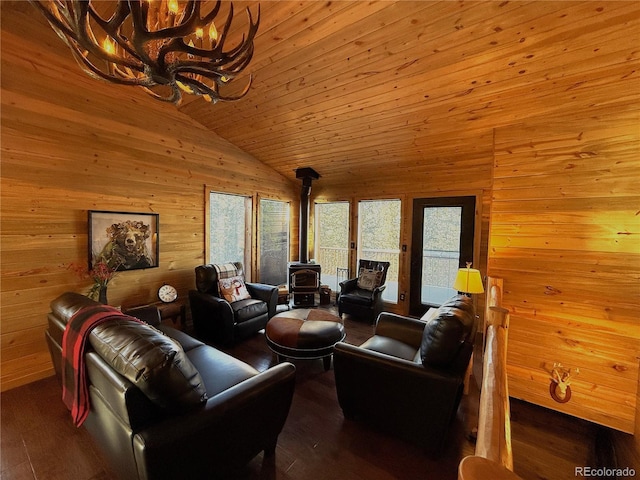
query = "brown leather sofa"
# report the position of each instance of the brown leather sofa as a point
(408, 378)
(141, 427)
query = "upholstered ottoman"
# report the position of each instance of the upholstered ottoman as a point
(304, 334)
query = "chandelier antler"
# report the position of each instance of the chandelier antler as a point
(164, 46)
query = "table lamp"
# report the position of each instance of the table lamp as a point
(468, 280)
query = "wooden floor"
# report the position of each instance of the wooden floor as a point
(317, 443)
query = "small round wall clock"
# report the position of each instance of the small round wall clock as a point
(167, 293)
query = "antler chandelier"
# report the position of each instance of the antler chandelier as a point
(164, 46)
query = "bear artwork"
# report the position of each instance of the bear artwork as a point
(127, 246)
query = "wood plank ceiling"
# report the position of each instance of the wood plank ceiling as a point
(344, 86)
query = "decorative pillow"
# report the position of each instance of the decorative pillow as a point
(369, 279)
(233, 289)
(152, 361)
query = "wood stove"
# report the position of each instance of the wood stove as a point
(304, 283)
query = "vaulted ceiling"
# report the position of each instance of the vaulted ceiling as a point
(340, 86)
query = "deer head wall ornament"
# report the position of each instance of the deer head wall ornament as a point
(559, 388)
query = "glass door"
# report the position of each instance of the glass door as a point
(442, 242)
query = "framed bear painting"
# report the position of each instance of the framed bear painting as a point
(123, 240)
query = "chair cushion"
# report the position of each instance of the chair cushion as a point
(233, 289)
(358, 297)
(390, 346)
(219, 371)
(248, 309)
(445, 333)
(369, 279)
(152, 361)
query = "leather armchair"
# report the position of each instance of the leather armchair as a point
(225, 322)
(408, 378)
(363, 302)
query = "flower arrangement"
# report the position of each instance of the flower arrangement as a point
(101, 274)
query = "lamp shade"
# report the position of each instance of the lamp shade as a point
(468, 280)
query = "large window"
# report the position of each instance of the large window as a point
(274, 241)
(379, 239)
(332, 241)
(230, 229)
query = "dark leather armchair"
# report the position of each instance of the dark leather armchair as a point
(408, 378)
(225, 322)
(364, 301)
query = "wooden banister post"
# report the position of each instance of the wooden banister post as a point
(493, 457)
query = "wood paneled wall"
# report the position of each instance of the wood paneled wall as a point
(565, 233)
(460, 170)
(72, 144)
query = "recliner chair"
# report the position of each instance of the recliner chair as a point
(408, 378)
(362, 296)
(227, 320)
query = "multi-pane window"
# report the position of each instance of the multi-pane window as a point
(230, 229)
(379, 239)
(332, 241)
(273, 234)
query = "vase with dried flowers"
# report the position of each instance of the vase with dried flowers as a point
(101, 274)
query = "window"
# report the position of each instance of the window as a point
(230, 229)
(332, 241)
(379, 239)
(274, 241)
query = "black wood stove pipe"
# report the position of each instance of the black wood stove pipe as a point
(307, 175)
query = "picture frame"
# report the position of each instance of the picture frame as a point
(124, 240)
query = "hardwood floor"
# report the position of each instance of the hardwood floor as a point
(317, 443)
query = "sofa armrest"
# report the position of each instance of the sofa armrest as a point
(212, 316)
(378, 291)
(266, 293)
(230, 429)
(348, 285)
(404, 329)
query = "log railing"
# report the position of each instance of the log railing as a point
(493, 456)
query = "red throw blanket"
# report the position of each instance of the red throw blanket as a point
(75, 392)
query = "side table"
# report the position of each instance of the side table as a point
(175, 311)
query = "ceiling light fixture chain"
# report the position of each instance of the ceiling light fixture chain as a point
(164, 46)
